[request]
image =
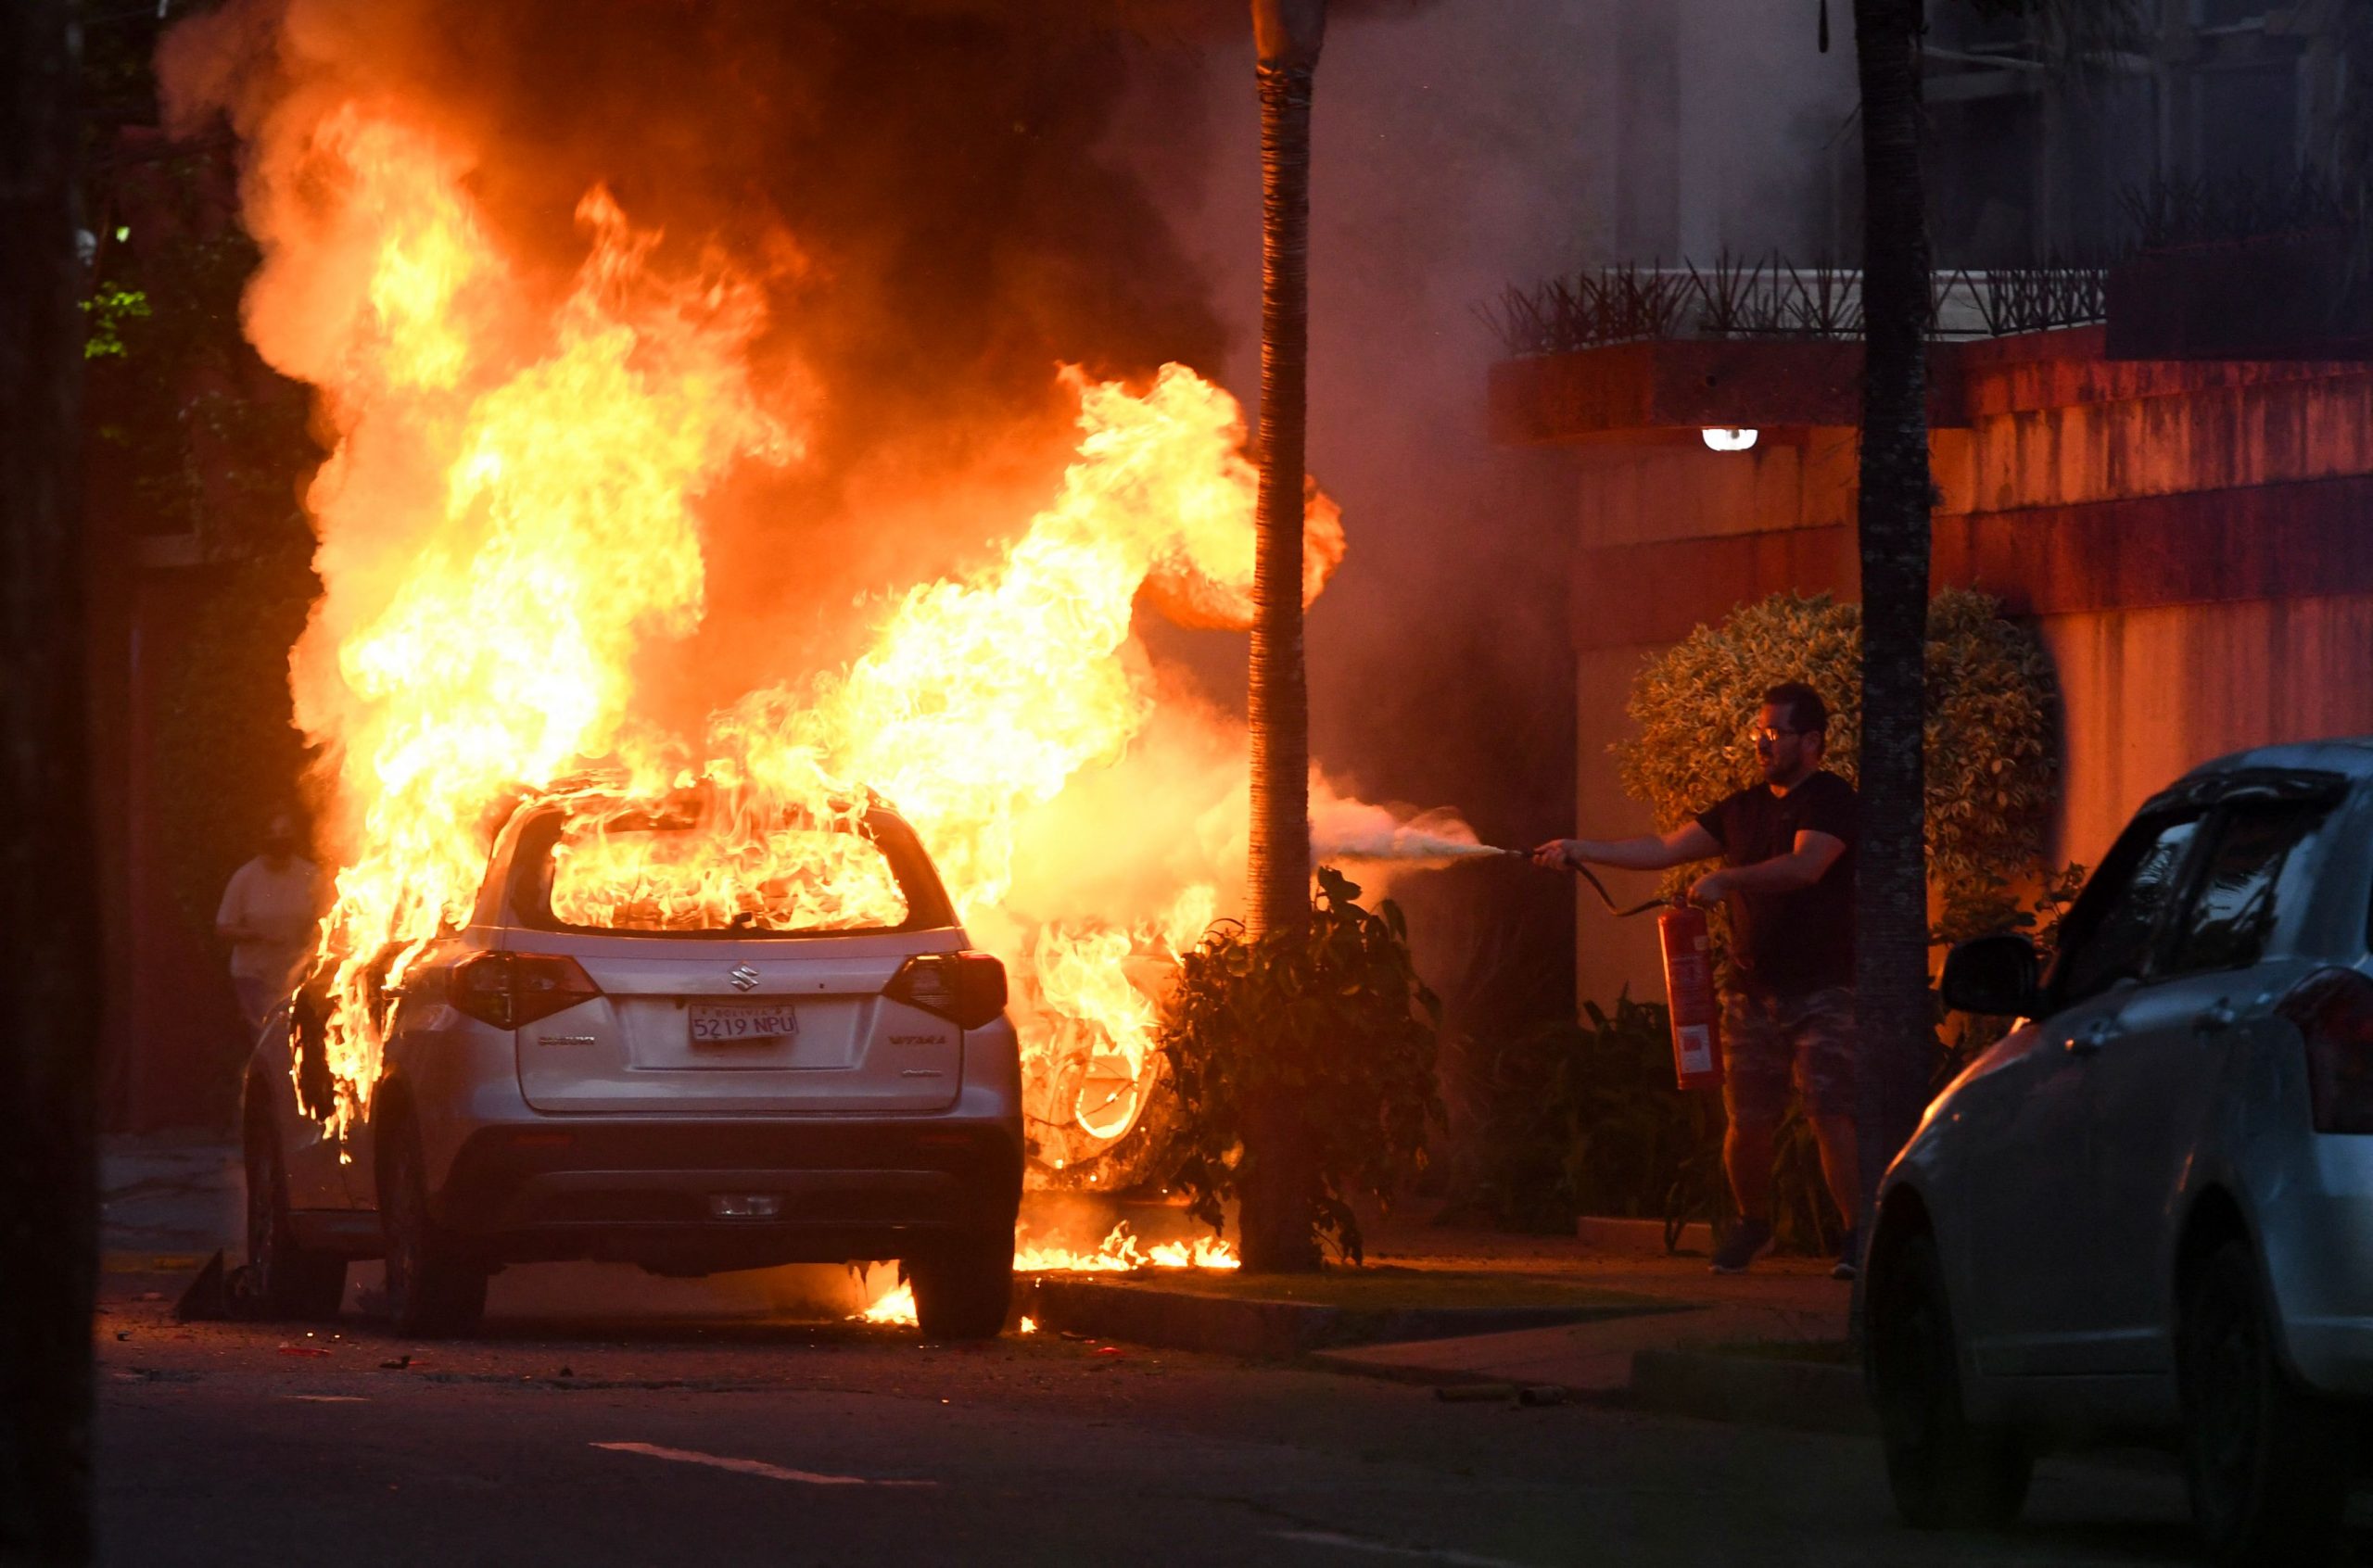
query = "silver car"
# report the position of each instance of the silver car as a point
(2147, 1211)
(655, 1092)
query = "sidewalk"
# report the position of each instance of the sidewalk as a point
(1781, 1300)
(1653, 1328)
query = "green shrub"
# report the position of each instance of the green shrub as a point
(1636, 1147)
(1992, 770)
(1585, 1119)
(1334, 1018)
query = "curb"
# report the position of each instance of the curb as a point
(1807, 1396)
(1244, 1326)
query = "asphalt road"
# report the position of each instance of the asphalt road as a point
(590, 1429)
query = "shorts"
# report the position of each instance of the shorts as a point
(1768, 1039)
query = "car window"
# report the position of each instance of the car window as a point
(681, 879)
(690, 872)
(2258, 863)
(2115, 923)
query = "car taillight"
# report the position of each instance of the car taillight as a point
(512, 989)
(2333, 1009)
(966, 988)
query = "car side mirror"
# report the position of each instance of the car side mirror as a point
(1997, 975)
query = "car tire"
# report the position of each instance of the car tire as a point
(434, 1287)
(2267, 1463)
(286, 1280)
(1944, 1473)
(963, 1288)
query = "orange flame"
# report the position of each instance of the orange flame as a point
(1119, 1253)
(511, 513)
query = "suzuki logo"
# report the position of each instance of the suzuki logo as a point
(743, 976)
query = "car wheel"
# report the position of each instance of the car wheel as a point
(288, 1280)
(1944, 1473)
(963, 1288)
(2267, 1463)
(435, 1286)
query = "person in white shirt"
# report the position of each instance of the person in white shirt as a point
(269, 917)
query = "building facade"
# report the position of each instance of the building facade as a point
(2185, 528)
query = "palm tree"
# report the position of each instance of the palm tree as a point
(1278, 1177)
(48, 923)
(1898, 495)
(1891, 901)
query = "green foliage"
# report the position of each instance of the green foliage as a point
(1584, 1119)
(1336, 1021)
(1992, 771)
(109, 306)
(1636, 1147)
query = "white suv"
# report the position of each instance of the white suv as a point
(2147, 1211)
(649, 1088)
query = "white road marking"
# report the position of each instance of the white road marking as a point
(1386, 1548)
(753, 1467)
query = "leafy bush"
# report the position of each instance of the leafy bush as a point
(1334, 1020)
(1992, 770)
(1584, 1119)
(1636, 1147)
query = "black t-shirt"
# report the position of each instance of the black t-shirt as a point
(1790, 943)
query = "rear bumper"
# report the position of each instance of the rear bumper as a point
(648, 1191)
(2317, 1243)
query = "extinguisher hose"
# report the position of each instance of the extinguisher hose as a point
(1600, 888)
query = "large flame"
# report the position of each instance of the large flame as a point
(513, 511)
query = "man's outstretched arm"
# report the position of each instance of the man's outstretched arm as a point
(1649, 851)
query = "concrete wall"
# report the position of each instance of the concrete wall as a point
(2186, 538)
(2148, 693)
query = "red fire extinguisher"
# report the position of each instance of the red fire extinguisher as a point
(1689, 991)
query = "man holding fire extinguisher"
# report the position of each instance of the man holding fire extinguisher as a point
(1787, 875)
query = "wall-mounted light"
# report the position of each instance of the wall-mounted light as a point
(1721, 440)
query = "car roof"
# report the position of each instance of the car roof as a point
(2350, 756)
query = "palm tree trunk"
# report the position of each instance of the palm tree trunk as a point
(1277, 1178)
(1891, 901)
(48, 921)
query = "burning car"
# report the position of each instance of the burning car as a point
(686, 1033)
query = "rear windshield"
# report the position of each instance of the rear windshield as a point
(673, 876)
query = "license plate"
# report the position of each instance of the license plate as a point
(742, 1023)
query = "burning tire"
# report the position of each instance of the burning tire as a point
(1143, 1155)
(434, 1287)
(963, 1288)
(1944, 1473)
(288, 1281)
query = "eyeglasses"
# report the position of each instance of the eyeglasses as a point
(1765, 736)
